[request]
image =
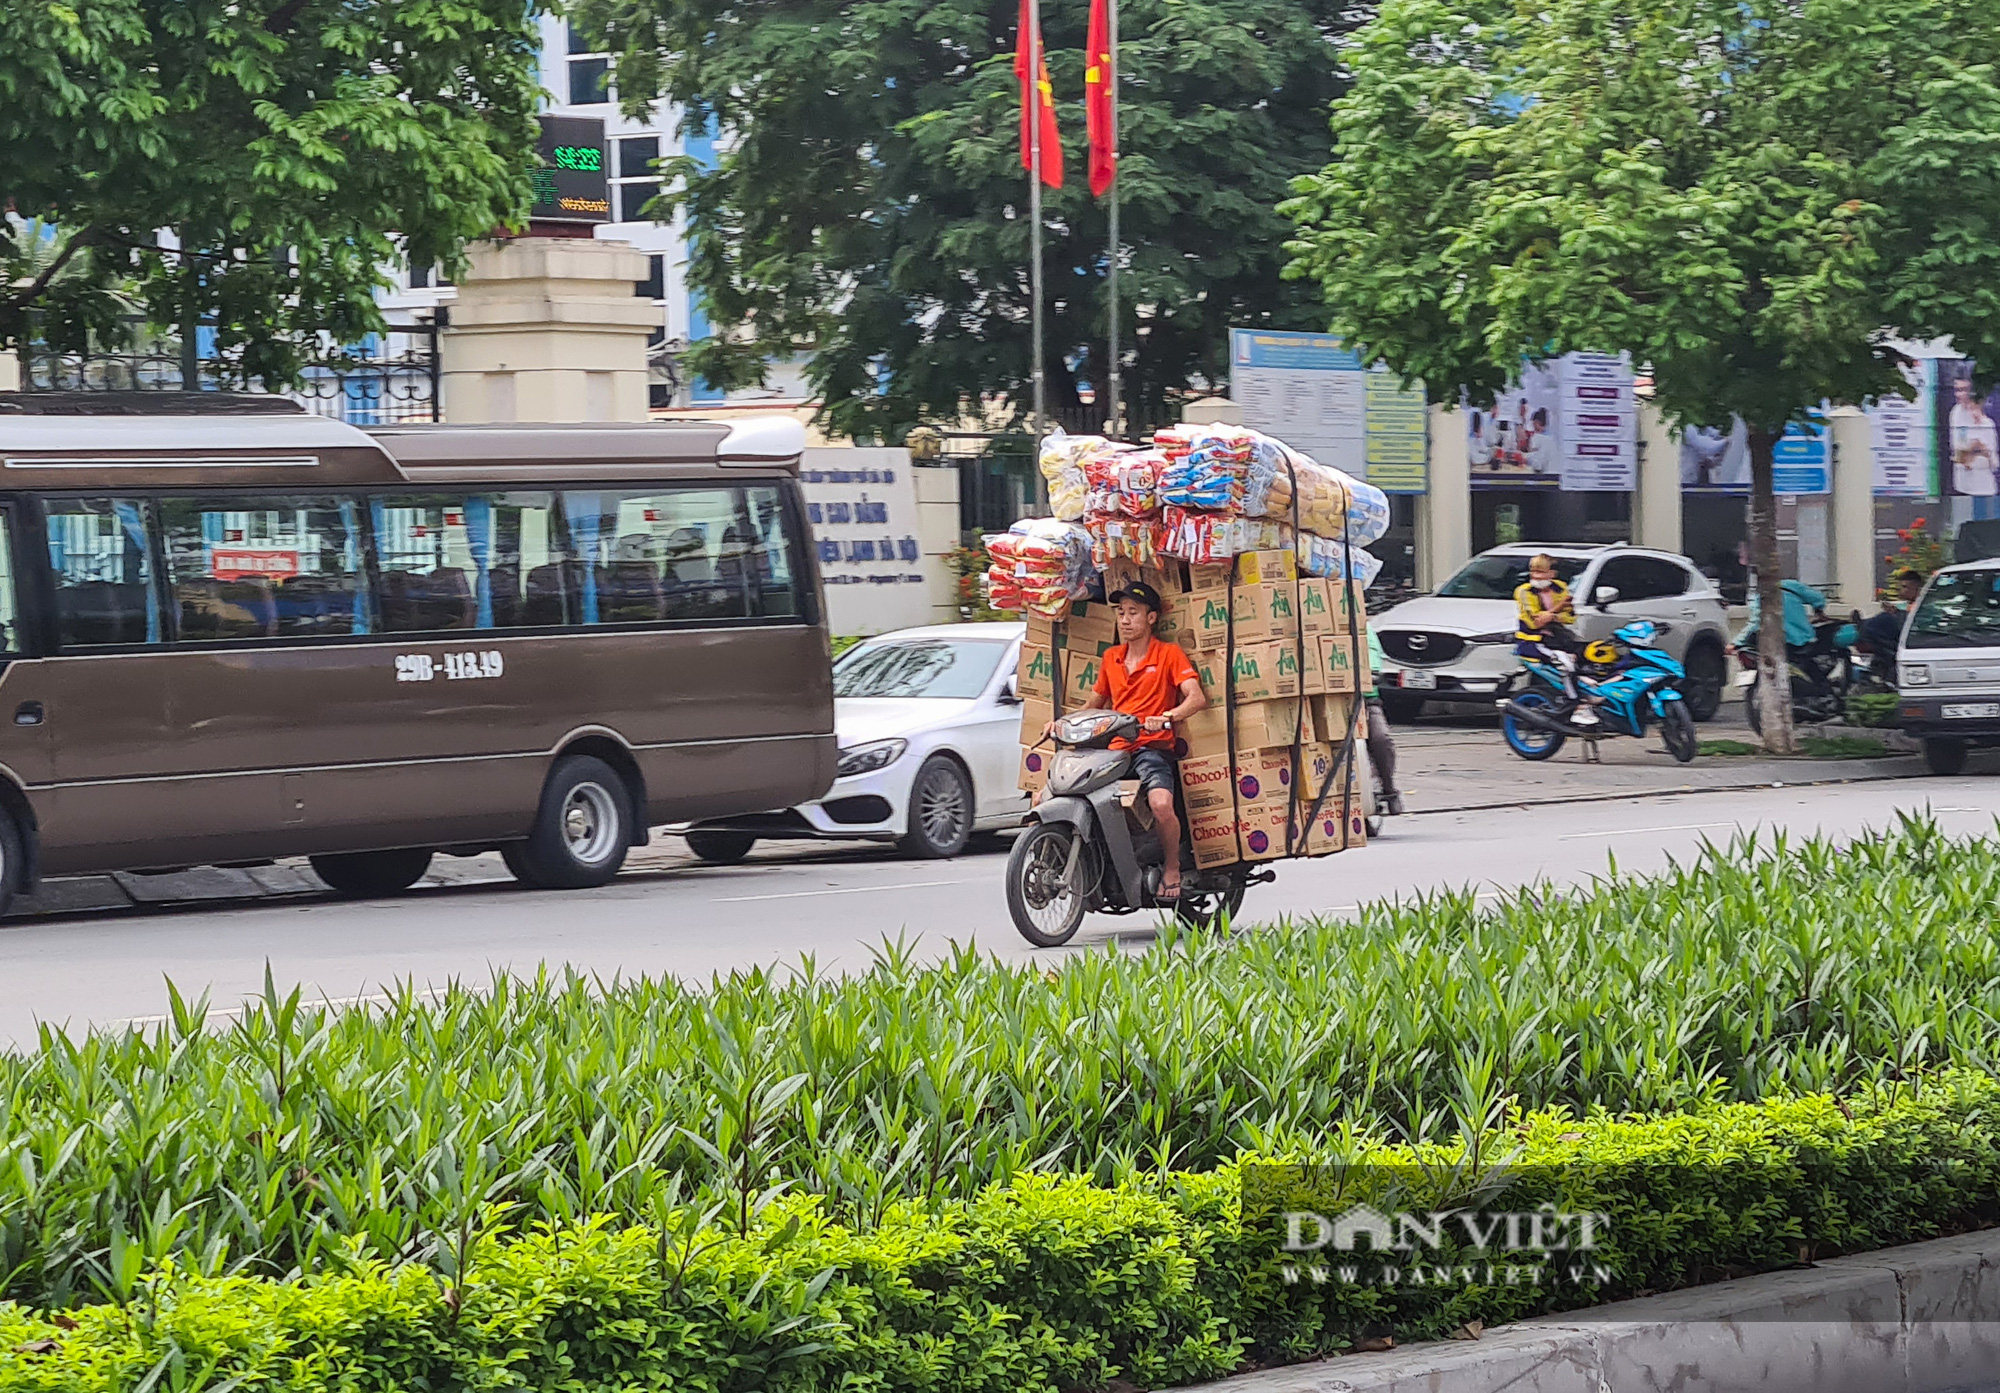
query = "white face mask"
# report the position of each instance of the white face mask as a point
(1541, 584)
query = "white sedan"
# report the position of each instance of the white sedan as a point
(929, 727)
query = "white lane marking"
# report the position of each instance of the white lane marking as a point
(1640, 831)
(849, 890)
(1356, 908)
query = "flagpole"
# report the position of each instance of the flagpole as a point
(1117, 418)
(1035, 221)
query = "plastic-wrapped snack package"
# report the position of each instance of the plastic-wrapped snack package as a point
(1206, 538)
(1115, 536)
(1213, 483)
(1136, 484)
(1262, 472)
(1172, 441)
(1062, 465)
(1367, 512)
(1323, 556)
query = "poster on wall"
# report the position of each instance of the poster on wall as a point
(1969, 441)
(1571, 424)
(861, 504)
(1900, 429)
(1717, 461)
(1313, 393)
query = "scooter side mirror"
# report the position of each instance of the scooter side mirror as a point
(1605, 596)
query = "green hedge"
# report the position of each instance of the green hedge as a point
(1046, 1283)
(1756, 971)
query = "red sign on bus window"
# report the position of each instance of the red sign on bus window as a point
(234, 563)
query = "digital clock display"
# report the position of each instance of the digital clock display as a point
(568, 181)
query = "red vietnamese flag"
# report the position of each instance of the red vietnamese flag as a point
(1098, 118)
(1037, 96)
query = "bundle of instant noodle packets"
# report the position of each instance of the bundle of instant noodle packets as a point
(1201, 494)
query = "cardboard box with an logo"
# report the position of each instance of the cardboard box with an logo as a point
(1080, 671)
(1214, 837)
(1210, 577)
(1036, 674)
(1261, 567)
(1330, 831)
(1264, 672)
(1315, 607)
(1260, 831)
(1332, 670)
(1035, 767)
(1216, 781)
(1266, 612)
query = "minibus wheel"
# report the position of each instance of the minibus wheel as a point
(582, 829)
(13, 862)
(363, 874)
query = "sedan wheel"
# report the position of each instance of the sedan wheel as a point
(940, 810)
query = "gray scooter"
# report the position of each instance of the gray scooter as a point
(1084, 851)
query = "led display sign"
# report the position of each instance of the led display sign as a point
(569, 182)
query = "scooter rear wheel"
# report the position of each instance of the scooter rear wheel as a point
(1046, 907)
(1531, 742)
(1215, 911)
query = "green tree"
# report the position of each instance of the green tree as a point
(1751, 196)
(292, 148)
(869, 208)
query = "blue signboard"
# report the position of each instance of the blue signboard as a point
(1262, 348)
(1800, 460)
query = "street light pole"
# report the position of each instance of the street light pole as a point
(1035, 239)
(1115, 424)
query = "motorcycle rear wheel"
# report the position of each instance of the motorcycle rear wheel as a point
(1677, 732)
(1214, 911)
(1046, 909)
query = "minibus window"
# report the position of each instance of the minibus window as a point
(471, 561)
(102, 570)
(265, 567)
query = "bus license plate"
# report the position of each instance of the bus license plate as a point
(1972, 710)
(1420, 681)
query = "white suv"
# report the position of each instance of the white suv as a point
(1458, 645)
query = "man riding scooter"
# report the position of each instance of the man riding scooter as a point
(1152, 679)
(1802, 602)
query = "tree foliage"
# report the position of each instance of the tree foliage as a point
(294, 147)
(869, 206)
(1751, 196)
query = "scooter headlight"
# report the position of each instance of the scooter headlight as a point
(866, 759)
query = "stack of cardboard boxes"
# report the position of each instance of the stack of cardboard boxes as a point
(1278, 659)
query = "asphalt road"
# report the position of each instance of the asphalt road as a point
(835, 903)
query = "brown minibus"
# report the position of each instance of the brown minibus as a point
(231, 631)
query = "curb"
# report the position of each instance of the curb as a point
(1633, 795)
(1924, 1318)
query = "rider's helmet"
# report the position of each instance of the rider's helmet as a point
(1640, 633)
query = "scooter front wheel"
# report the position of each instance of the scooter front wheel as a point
(1677, 732)
(1047, 902)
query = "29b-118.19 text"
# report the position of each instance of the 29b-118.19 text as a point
(421, 667)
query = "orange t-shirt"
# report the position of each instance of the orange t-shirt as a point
(1153, 690)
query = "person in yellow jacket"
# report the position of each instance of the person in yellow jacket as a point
(1546, 612)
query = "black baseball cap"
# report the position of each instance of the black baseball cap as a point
(1141, 592)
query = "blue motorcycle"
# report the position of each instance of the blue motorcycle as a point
(1636, 682)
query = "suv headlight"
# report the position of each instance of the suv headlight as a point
(1916, 675)
(866, 759)
(1504, 637)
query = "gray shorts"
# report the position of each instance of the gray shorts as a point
(1155, 769)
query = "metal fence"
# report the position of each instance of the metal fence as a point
(385, 379)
